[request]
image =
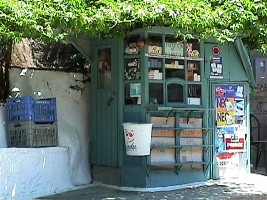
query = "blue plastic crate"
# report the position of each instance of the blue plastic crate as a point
(20, 109)
(45, 110)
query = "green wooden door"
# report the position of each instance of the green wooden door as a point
(104, 121)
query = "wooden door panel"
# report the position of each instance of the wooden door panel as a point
(105, 134)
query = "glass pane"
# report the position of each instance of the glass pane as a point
(132, 93)
(193, 48)
(104, 69)
(133, 44)
(132, 69)
(154, 43)
(155, 68)
(194, 94)
(156, 93)
(175, 93)
(193, 71)
(174, 69)
(174, 46)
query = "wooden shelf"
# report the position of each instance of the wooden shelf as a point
(178, 128)
(165, 164)
(174, 57)
(177, 146)
(158, 108)
(131, 56)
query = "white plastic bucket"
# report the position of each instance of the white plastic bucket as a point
(137, 138)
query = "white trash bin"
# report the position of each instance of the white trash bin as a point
(137, 138)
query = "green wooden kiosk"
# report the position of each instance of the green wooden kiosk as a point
(195, 93)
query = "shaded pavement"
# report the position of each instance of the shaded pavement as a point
(251, 186)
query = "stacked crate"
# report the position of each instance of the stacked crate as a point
(32, 123)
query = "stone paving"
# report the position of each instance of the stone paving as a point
(251, 186)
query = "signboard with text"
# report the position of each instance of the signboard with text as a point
(230, 115)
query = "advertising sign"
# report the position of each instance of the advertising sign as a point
(230, 114)
(235, 144)
(231, 128)
(216, 67)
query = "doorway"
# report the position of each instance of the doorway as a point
(104, 109)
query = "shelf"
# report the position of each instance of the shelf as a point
(172, 88)
(179, 165)
(177, 146)
(186, 109)
(132, 108)
(132, 81)
(155, 80)
(180, 137)
(175, 67)
(165, 164)
(163, 62)
(127, 56)
(173, 57)
(179, 128)
(194, 82)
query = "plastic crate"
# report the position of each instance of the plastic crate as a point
(27, 109)
(20, 109)
(45, 110)
(30, 134)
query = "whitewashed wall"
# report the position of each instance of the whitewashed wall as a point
(26, 173)
(72, 94)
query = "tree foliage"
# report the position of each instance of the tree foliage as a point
(224, 20)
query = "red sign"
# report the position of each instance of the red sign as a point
(235, 144)
(216, 51)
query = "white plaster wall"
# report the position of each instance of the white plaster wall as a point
(26, 173)
(72, 94)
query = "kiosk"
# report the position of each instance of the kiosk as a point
(194, 92)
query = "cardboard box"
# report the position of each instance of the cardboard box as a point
(169, 133)
(194, 154)
(154, 50)
(191, 122)
(163, 155)
(191, 141)
(163, 121)
(191, 154)
(163, 141)
(192, 133)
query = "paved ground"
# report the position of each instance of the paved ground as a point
(253, 186)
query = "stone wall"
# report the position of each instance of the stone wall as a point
(52, 56)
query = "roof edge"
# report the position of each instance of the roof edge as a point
(243, 54)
